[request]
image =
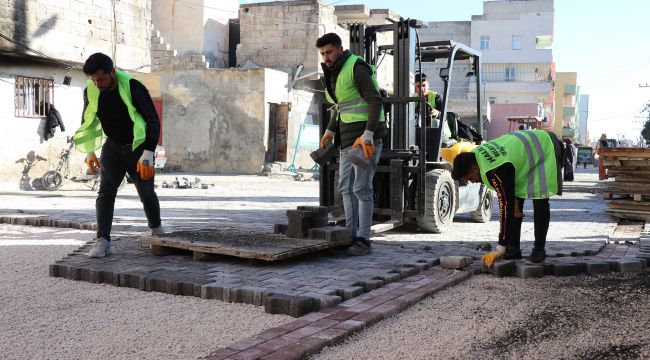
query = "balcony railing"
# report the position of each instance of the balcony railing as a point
(569, 133)
(569, 89)
(569, 111)
(528, 76)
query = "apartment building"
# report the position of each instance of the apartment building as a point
(515, 38)
(567, 106)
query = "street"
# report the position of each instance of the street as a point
(485, 316)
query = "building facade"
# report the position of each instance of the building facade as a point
(515, 38)
(567, 105)
(583, 132)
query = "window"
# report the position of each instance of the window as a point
(485, 42)
(32, 95)
(543, 41)
(493, 100)
(510, 74)
(516, 42)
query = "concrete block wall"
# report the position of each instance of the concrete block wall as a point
(282, 34)
(163, 57)
(74, 29)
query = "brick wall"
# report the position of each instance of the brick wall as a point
(74, 29)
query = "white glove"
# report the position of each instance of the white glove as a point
(145, 165)
(147, 158)
(367, 137)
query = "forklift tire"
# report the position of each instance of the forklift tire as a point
(484, 211)
(440, 202)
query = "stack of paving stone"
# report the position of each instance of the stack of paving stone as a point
(567, 266)
(311, 222)
(644, 244)
(629, 193)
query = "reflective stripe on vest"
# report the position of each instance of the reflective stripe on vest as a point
(532, 154)
(89, 136)
(351, 106)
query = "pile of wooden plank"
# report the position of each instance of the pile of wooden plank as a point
(629, 193)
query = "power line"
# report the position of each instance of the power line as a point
(36, 51)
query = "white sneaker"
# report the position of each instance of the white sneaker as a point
(159, 231)
(101, 248)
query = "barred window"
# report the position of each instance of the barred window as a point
(33, 96)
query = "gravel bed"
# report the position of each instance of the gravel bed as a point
(52, 318)
(604, 317)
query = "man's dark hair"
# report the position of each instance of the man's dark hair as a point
(329, 39)
(462, 163)
(98, 61)
(420, 77)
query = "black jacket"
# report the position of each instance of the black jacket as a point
(52, 120)
(363, 81)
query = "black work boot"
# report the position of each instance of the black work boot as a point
(512, 254)
(360, 247)
(537, 256)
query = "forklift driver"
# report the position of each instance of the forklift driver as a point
(434, 104)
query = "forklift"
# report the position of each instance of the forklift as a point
(413, 183)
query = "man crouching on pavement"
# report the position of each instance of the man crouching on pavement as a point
(119, 106)
(518, 166)
(351, 84)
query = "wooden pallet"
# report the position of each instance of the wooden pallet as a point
(248, 245)
(626, 152)
(629, 214)
(618, 195)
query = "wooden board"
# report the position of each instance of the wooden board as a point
(626, 152)
(629, 214)
(232, 242)
(635, 188)
(630, 205)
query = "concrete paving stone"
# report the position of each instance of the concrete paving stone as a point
(320, 301)
(455, 262)
(321, 211)
(503, 268)
(524, 270)
(595, 267)
(295, 306)
(564, 269)
(247, 295)
(280, 228)
(351, 326)
(369, 284)
(628, 266)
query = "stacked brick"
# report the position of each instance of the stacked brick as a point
(629, 193)
(311, 222)
(163, 57)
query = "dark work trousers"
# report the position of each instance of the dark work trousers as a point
(502, 179)
(116, 160)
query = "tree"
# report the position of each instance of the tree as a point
(646, 127)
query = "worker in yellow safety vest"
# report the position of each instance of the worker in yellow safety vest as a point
(359, 124)
(518, 166)
(118, 107)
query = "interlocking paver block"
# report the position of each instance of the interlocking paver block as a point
(285, 304)
(525, 270)
(455, 262)
(595, 267)
(628, 266)
(564, 269)
(503, 268)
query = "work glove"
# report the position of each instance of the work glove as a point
(366, 143)
(327, 137)
(92, 162)
(489, 258)
(145, 165)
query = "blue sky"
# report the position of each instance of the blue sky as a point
(605, 42)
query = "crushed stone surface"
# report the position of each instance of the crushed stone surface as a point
(52, 318)
(577, 317)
